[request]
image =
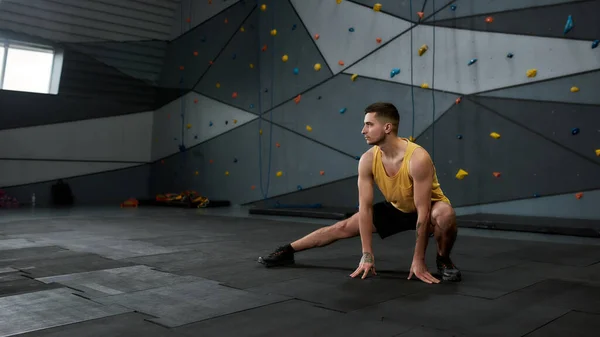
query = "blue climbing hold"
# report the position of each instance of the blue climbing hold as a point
(210, 123)
(294, 27)
(296, 71)
(394, 72)
(235, 160)
(233, 56)
(575, 131)
(342, 110)
(251, 106)
(357, 157)
(595, 44)
(351, 29)
(226, 122)
(319, 97)
(510, 55)
(453, 7)
(182, 148)
(568, 25)
(535, 195)
(195, 136)
(459, 137)
(298, 187)
(266, 90)
(472, 61)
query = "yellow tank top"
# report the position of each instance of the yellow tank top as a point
(398, 190)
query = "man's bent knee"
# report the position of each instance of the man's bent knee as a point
(443, 216)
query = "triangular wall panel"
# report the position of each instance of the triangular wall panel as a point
(197, 48)
(407, 9)
(192, 13)
(322, 108)
(333, 21)
(529, 165)
(234, 76)
(191, 120)
(278, 79)
(455, 48)
(558, 90)
(549, 21)
(555, 121)
(229, 166)
(475, 7)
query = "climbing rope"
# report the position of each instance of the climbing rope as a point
(265, 192)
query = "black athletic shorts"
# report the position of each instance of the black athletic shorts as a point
(388, 220)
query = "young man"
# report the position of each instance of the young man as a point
(405, 174)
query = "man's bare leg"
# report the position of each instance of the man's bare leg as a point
(321, 237)
(445, 229)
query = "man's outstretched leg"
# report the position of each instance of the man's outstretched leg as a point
(322, 237)
(443, 220)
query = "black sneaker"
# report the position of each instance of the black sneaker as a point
(282, 256)
(447, 269)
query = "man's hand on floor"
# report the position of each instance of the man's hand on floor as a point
(419, 269)
(367, 264)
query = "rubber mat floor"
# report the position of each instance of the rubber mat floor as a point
(183, 272)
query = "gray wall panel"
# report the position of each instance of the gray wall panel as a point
(111, 187)
(300, 160)
(529, 164)
(207, 40)
(475, 7)
(402, 8)
(278, 76)
(554, 121)
(558, 90)
(549, 21)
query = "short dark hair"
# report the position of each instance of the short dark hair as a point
(386, 111)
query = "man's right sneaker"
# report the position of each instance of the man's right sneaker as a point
(282, 256)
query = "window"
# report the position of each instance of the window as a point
(29, 68)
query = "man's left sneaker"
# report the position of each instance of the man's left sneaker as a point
(447, 269)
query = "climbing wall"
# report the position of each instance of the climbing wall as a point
(502, 100)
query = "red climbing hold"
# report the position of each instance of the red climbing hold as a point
(420, 14)
(234, 95)
(489, 19)
(579, 195)
(458, 100)
(297, 99)
(378, 40)
(181, 68)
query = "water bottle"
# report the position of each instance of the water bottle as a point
(33, 199)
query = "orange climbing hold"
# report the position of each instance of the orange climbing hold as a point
(195, 101)
(316, 36)
(195, 53)
(252, 187)
(340, 62)
(458, 100)
(496, 174)
(264, 48)
(226, 21)
(211, 161)
(322, 173)
(181, 68)
(378, 40)
(188, 20)
(489, 19)
(234, 95)
(277, 145)
(579, 195)
(297, 99)
(420, 14)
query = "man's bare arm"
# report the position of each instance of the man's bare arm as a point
(421, 168)
(365, 196)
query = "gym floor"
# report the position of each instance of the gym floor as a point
(193, 272)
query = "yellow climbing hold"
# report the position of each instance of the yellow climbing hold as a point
(377, 7)
(317, 67)
(338, 1)
(308, 128)
(495, 135)
(189, 126)
(412, 139)
(279, 173)
(196, 173)
(260, 132)
(353, 78)
(284, 58)
(598, 152)
(242, 29)
(574, 89)
(226, 173)
(235, 121)
(425, 86)
(273, 32)
(423, 49)
(251, 65)
(218, 85)
(263, 7)
(461, 174)
(531, 72)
